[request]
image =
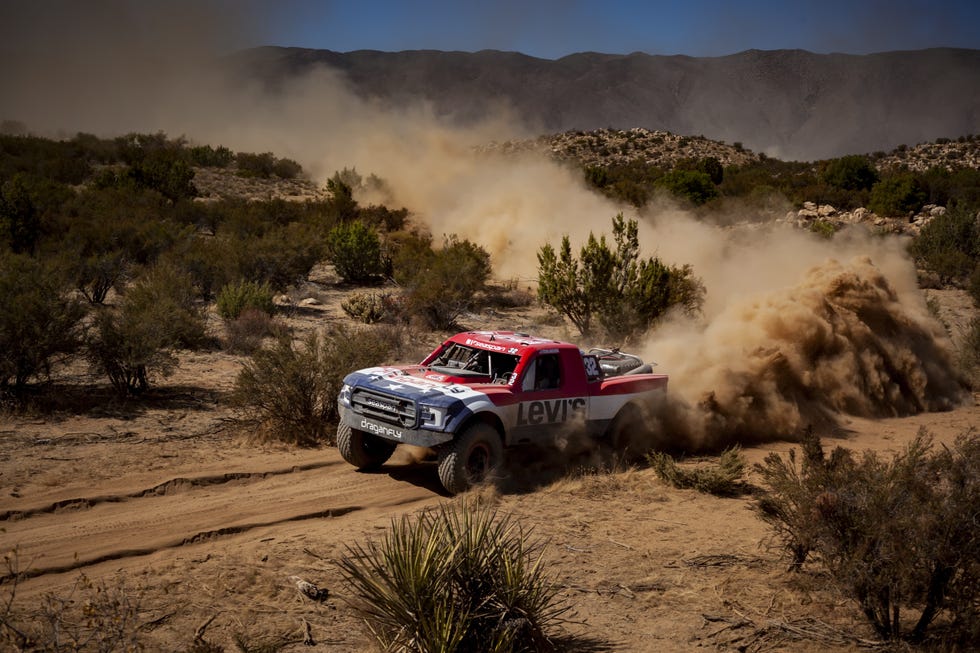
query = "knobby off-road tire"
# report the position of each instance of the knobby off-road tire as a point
(628, 439)
(361, 449)
(469, 459)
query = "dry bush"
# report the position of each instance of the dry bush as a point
(292, 390)
(456, 578)
(895, 535)
(368, 307)
(91, 617)
(245, 334)
(508, 295)
(137, 339)
(726, 478)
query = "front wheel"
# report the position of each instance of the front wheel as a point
(361, 449)
(469, 459)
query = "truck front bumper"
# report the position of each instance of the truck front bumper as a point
(393, 432)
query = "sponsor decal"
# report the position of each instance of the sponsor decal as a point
(380, 405)
(379, 429)
(549, 412)
(485, 345)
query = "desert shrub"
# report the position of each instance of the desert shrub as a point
(971, 352)
(725, 478)
(823, 228)
(211, 157)
(460, 577)
(20, 224)
(949, 244)
(354, 249)
(897, 196)
(854, 172)
(40, 323)
(973, 285)
(282, 256)
(692, 185)
(895, 535)
(444, 283)
(165, 172)
(245, 333)
(291, 390)
(367, 307)
(255, 165)
(235, 298)
(108, 233)
(138, 338)
(89, 618)
(508, 294)
(383, 218)
(287, 169)
(624, 293)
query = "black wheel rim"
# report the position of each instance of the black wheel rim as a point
(478, 462)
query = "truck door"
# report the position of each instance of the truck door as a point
(551, 398)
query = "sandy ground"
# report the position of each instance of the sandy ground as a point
(165, 503)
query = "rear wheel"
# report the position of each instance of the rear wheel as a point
(361, 449)
(628, 436)
(469, 459)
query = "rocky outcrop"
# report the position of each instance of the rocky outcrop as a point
(811, 215)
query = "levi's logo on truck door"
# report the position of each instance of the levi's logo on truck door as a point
(549, 411)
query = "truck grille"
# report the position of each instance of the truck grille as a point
(385, 407)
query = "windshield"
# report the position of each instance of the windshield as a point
(460, 360)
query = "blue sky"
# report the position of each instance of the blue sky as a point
(554, 28)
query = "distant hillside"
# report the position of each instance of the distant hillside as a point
(609, 147)
(791, 104)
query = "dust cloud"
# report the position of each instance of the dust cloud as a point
(795, 329)
(799, 332)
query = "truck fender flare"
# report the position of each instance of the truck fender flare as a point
(485, 416)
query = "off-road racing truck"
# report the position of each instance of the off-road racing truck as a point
(482, 391)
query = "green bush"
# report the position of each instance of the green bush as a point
(40, 323)
(624, 293)
(255, 165)
(291, 391)
(823, 228)
(455, 578)
(443, 284)
(949, 244)
(20, 224)
(896, 535)
(235, 298)
(692, 185)
(138, 339)
(726, 478)
(354, 249)
(854, 172)
(206, 156)
(897, 196)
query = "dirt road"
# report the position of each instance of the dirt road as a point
(208, 529)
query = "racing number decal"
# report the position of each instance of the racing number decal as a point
(549, 412)
(591, 367)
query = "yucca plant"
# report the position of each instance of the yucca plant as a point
(459, 577)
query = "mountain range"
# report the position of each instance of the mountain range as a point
(790, 104)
